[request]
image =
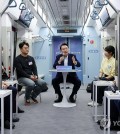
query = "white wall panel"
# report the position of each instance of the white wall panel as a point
(15, 11)
(3, 4)
(115, 3)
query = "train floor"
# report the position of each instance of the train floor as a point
(44, 118)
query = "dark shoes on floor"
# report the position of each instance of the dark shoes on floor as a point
(16, 119)
(20, 110)
(27, 102)
(98, 122)
(59, 99)
(34, 100)
(72, 98)
(7, 125)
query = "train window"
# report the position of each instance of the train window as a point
(39, 10)
(48, 22)
(44, 17)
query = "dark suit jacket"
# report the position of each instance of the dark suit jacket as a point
(70, 63)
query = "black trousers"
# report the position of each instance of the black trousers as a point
(100, 93)
(114, 112)
(74, 80)
(7, 103)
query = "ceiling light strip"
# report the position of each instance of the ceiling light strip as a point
(52, 12)
(71, 13)
(58, 12)
(77, 11)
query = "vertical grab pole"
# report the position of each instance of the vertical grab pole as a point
(11, 56)
(118, 47)
(64, 92)
(0, 52)
(116, 52)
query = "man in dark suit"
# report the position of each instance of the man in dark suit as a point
(66, 59)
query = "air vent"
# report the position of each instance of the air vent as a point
(67, 31)
(66, 22)
(63, 0)
(65, 17)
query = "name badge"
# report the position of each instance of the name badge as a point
(109, 67)
(30, 63)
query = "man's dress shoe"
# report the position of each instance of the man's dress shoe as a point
(72, 98)
(16, 119)
(20, 110)
(7, 125)
(59, 99)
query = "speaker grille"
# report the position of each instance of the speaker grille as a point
(63, 0)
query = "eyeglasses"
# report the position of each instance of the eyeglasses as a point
(25, 47)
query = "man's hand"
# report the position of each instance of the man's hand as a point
(33, 77)
(61, 59)
(36, 77)
(4, 85)
(74, 61)
(100, 75)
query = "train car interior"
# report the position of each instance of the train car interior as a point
(60, 66)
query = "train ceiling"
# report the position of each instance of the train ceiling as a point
(65, 13)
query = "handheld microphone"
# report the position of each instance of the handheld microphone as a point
(63, 55)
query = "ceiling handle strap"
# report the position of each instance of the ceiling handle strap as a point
(12, 5)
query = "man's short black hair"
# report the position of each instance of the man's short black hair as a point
(63, 44)
(22, 44)
(110, 49)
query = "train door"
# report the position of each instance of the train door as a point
(92, 59)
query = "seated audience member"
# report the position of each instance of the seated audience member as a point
(7, 105)
(107, 72)
(13, 88)
(27, 74)
(114, 110)
(114, 114)
(65, 59)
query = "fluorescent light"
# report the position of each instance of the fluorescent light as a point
(39, 10)
(44, 17)
(67, 36)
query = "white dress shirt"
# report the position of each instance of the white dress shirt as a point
(66, 61)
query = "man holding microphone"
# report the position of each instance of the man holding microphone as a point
(66, 59)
